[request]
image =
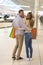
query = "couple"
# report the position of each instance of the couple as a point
(23, 28)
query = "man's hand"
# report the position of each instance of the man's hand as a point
(19, 28)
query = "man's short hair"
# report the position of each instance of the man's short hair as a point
(21, 11)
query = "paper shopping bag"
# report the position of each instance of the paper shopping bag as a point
(34, 33)
(12, 33)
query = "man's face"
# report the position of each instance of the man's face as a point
(22, 14)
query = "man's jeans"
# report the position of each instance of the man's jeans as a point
(28, 43)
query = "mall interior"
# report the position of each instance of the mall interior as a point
(8, 10)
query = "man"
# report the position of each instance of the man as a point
(20, 27)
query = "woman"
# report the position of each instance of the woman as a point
(28, 35)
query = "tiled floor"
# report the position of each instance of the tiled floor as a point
(6, 49)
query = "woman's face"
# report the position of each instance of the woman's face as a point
(29, 16)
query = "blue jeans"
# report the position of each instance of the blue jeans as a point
(28, 44)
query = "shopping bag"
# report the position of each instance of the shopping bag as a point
(34, 33)
(12, 33)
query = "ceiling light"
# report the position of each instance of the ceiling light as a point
(24, 6)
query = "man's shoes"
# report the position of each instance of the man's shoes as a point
(20, 58)
(13, 58)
